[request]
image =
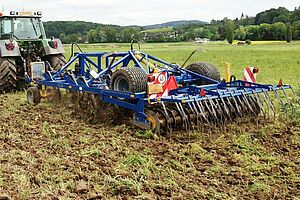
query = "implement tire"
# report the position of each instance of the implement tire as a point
(129, 79)
(8, 75)
(56, 61)
(205, 69)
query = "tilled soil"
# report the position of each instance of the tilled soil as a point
(49, 151)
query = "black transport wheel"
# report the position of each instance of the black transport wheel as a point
(33, 95)
(129, 79)
(205, 69)
(8, 74)
(56, 61)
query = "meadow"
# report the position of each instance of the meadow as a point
(48, 151)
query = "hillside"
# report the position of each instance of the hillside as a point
(174, 24)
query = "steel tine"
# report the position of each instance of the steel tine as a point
(270, 103)
(200, 105)
(280, 101)
(242, 105)
(214, 111)
(211, 112)
(193, 125)
(294, 93)
(264, 101)
(182, 115)
(232, 108)
(287, 97)
(198, 115)
(169, 127)
(185, 117)
(256, 97)
(226, 108)
(221, 112)
(239, 112)
(247, 103)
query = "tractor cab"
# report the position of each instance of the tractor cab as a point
(24, 48)
(22, 26)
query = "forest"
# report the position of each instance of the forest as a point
(272, 24)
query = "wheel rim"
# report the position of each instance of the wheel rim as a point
(30, 97)
(121, 84)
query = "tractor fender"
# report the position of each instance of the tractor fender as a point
(52, 51)
(5, 53)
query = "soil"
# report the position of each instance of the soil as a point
(49, 151)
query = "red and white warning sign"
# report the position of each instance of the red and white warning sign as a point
(160, 84)
(250, 74)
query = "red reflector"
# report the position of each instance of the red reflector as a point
(1, 14)
(202, 93)
(280, 83)
(151, 78)
(10, 46)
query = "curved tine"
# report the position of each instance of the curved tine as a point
(280, 100)
(181, 111)
(219, 108)
(270, 103)
(202, 109)
(226, 109)
(211, 113)
(169, 127)
(265, 102)
(242, 105)
(200, 120)
(197, 113)
(286, 96)
(294, 93)
(255, 96)
(247, 103)
(182, 115)
(193, 125)
(230, 107)
(214, 111)
(239, 112)
(188, 123)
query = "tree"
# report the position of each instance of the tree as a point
(296, 32)
(240, 33)
(288, 32)
(229, 31)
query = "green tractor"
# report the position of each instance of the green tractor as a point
(23, 45)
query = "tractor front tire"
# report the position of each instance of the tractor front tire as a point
(56, 61)
(33, 95)
(129, 79)
(8, 74)
(204, 69)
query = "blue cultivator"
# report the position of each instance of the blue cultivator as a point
(162, 96)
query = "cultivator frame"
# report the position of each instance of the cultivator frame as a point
(186, 107)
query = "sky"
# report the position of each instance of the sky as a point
(144, 12)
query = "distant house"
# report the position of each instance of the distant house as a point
(201, 40)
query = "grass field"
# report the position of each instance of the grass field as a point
(48, 153)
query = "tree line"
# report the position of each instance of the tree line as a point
(273, 24)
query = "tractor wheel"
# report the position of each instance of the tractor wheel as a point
(33, 95)
(56, 61)
(205, 69)
(8, 74)
(129, 79)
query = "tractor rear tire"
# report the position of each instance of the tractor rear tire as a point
(205, 69)
(8, 75)
(129, 79)
(57, 61)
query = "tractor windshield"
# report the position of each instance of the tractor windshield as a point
(28, 28)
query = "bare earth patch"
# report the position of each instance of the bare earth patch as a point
(47, 153)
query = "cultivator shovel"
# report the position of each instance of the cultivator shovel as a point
(164, 97)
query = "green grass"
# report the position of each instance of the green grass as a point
(276, 60)
(47, 153)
